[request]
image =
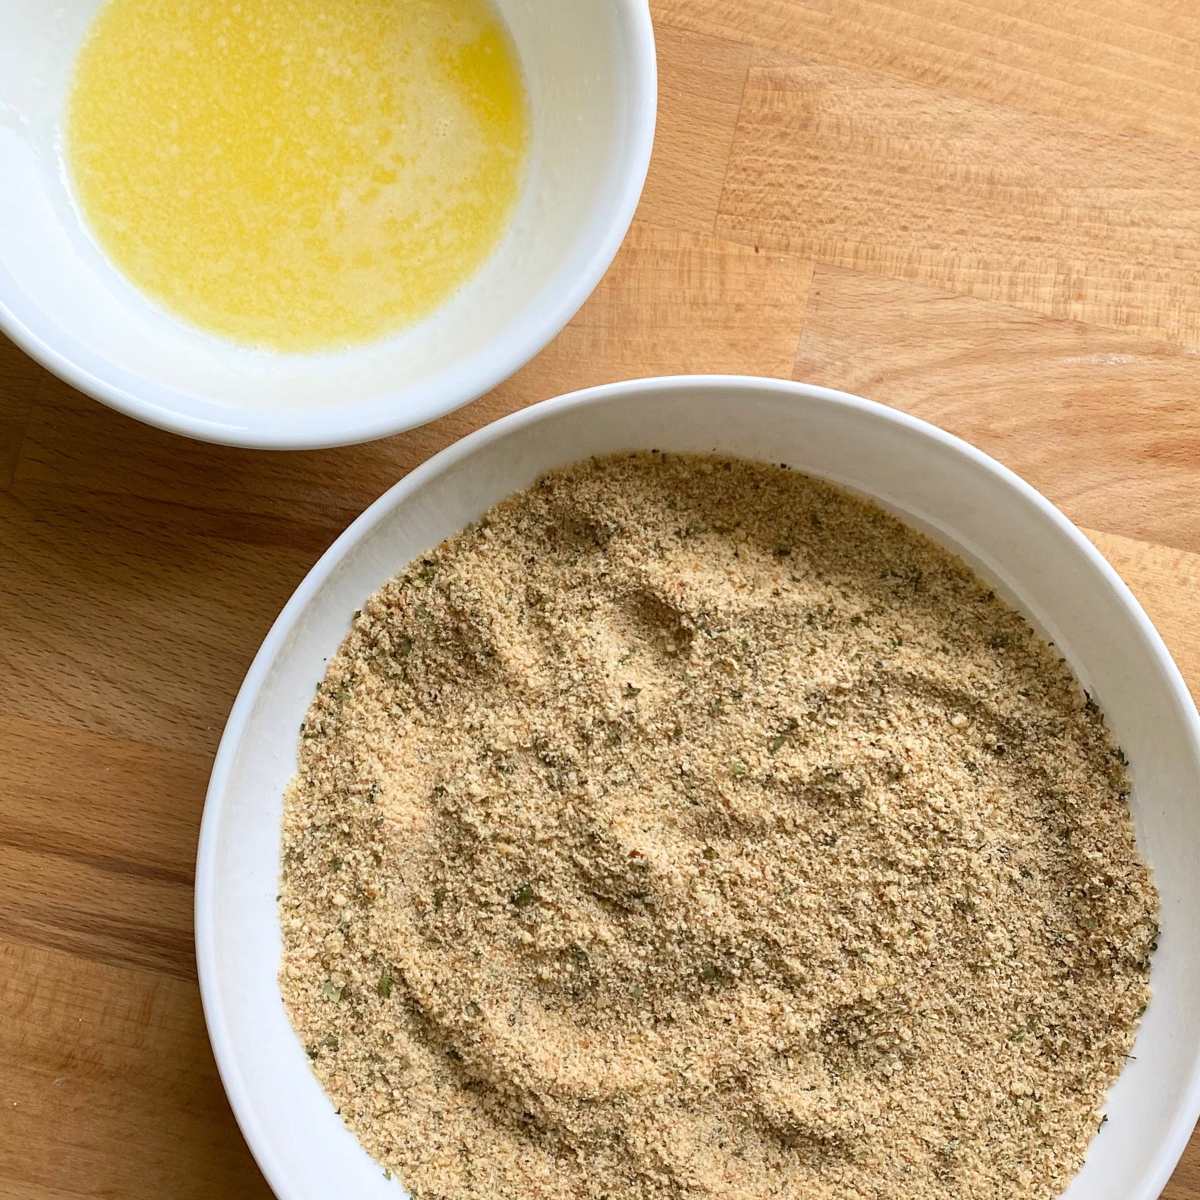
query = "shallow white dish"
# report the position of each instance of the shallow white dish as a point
(964, 499)
(589, 68)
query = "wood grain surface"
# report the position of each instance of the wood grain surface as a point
(984, 212)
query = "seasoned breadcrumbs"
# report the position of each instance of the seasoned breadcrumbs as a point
(688, 827)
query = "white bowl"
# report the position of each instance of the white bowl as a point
(1012, 535)
(589, 68)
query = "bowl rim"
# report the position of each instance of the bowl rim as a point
(1177, 1134)
(452, 387)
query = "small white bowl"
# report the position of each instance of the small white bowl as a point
(1012, 536)
(589, 67)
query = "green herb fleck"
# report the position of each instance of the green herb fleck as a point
(331, 991)
(523, 897)
(738, 767)
(384, 986)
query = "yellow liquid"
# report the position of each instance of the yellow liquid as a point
(298, 174)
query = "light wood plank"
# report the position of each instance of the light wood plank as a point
(859, 170)
(108, 1086)
(678, 303)
(1107, 424)
(114, 623)
(1185, 1183)
(97, 844)
(1129, 66)
(20, 383)
(700, 84)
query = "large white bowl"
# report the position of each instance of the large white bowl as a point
(964, 499)
(590, 71)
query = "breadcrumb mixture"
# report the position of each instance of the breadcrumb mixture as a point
(689, 827)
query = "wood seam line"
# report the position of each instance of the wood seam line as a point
(737, 120)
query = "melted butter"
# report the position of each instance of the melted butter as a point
(297, 174)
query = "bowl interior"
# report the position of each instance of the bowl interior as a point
(588, 67)
(957, 495)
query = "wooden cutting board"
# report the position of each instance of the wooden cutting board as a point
(981, 211)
